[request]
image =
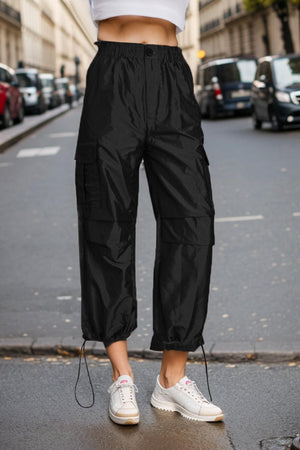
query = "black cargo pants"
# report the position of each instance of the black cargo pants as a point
(139, 104)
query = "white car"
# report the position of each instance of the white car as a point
(31, 88)
(49, 90)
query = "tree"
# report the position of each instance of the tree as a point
(281, 8)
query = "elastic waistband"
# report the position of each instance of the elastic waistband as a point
(139, 50)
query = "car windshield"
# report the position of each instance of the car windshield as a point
(287, 72)
(242, 71)
(47, 82)
(27, 79)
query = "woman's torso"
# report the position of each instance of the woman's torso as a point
(140, 29)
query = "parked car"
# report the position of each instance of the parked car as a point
(275, 94)
(62, 86)
(49, 89)
(63, 83)
(11, 101)
(31, 88)
(224, 86)
(60, 91)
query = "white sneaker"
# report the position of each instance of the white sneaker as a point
(185, 398)
(123, 408)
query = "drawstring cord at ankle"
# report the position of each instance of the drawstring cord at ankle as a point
(206, 372)
(83, 349)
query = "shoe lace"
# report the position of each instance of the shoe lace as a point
(194, 391)
(126, 390)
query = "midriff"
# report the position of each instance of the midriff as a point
(139, 29)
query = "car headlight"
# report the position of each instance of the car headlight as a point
(283, 97)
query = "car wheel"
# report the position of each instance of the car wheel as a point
(39, 108)
(256, 122)
(7, 120)
(21, 113)
(276, 123)
(212, 114)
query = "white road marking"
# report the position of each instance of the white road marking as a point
(64, 297)
(235, 219)
(5, 164)
(64, 134)
(39, 151)
(296, 214)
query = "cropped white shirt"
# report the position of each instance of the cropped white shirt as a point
(171, 10)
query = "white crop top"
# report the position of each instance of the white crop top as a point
(171, 10)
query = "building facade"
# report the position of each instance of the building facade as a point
(47, 35)
(223, 28)
(10, 32)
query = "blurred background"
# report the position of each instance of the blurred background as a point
(47, 46)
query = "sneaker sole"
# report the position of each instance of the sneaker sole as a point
(131, 420)
(169, 406)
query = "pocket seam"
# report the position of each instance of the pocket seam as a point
(88, 156)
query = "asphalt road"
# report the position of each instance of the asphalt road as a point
(255, 286)
(39, 412)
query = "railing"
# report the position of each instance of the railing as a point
(210, 25)
(232, 11)
(9, 11)
(203, 3)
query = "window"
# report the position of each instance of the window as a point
(8, 78)
(242, 70)
(2, 74)
(287, 72)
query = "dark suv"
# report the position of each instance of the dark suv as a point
(275, 94)
(224, 86)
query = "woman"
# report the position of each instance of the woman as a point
(139, 104)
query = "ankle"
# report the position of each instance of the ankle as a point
(169, 380)
(117, 373)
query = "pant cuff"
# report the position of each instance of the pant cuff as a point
(107, 342)
(175, 345)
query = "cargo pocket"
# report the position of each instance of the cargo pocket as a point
(87, 173)
(207, 178)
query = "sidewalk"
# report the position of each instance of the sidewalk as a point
(263, 351)
(13, 134)
(39, 411)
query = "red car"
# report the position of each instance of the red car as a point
(11, 100)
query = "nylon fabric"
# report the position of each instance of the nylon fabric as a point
(139, 104)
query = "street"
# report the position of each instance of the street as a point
(39, 411)
(255, 289)
(254, 295)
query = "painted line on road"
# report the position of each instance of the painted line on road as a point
(64, 297)
(296, 214)
(39, 151)
(64, 134)
(238, 218)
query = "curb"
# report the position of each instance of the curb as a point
(24, 128)
(220, 351)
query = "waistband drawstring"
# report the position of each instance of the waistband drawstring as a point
(83, 349)
(206, 372)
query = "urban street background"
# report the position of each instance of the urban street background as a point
(252, 334)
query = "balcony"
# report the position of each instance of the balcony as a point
(204, 3)
(210, 26)
(9, 12)
(230, 13)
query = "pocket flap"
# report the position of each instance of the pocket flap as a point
(86, 151)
